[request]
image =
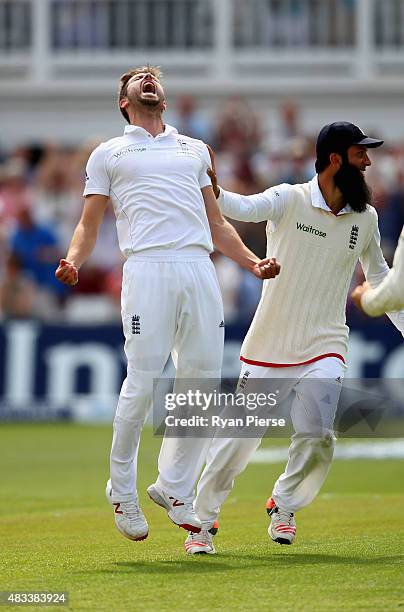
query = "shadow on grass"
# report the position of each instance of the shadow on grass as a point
(228, 562)
(292, 558)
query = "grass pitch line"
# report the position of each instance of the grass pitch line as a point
(385, 449)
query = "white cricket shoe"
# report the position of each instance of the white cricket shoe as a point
(201, 543)
(283, 525)
(181, 513)
(129, 519)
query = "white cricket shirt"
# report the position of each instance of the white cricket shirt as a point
(301, 314)
(389, 295)
(155, 186)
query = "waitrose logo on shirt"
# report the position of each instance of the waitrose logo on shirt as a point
(310, 229)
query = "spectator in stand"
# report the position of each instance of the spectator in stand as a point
(15, 193)
(55, 202)
(238, 129)
(290, 120)
(17, 291)
(190, 121)
(297, 168)
(78, 164)
(37, 248)
(286, 131)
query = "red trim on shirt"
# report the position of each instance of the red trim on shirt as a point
(264, 364)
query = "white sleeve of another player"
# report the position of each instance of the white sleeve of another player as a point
(389, 295)
(376, 270)
(266, 206)
(97, 179)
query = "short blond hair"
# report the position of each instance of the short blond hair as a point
(125, 78)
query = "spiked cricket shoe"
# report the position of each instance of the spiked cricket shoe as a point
(283, 525)
(129, 519)
(181, 513)
(201, 543)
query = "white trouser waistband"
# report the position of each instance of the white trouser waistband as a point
(166, 255)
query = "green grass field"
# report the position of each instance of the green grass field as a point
(57, 533)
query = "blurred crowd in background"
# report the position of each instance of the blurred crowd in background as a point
(40, 203)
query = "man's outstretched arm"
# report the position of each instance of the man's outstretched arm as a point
(83, 240)
(228, 242)
(389, 295)
(266, 206)
(376, 270)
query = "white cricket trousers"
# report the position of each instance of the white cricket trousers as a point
(169, 305)
(316, 389)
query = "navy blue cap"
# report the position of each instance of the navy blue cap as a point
(339, 136)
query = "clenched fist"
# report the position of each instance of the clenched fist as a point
(67, 273)
(267, 268)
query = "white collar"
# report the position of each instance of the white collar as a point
(318, 201)
(138, 131)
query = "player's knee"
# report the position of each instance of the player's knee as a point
(125, 422)
(328, 439)
(135, 401)
(322, 447)
(133, 409)
(315, 447)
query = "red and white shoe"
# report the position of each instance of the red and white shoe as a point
(283, 525)
(129, 519)
(201, 543)
(181, 513)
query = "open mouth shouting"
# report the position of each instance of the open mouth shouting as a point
(149, 87)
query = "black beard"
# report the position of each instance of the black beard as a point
(351, 183)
